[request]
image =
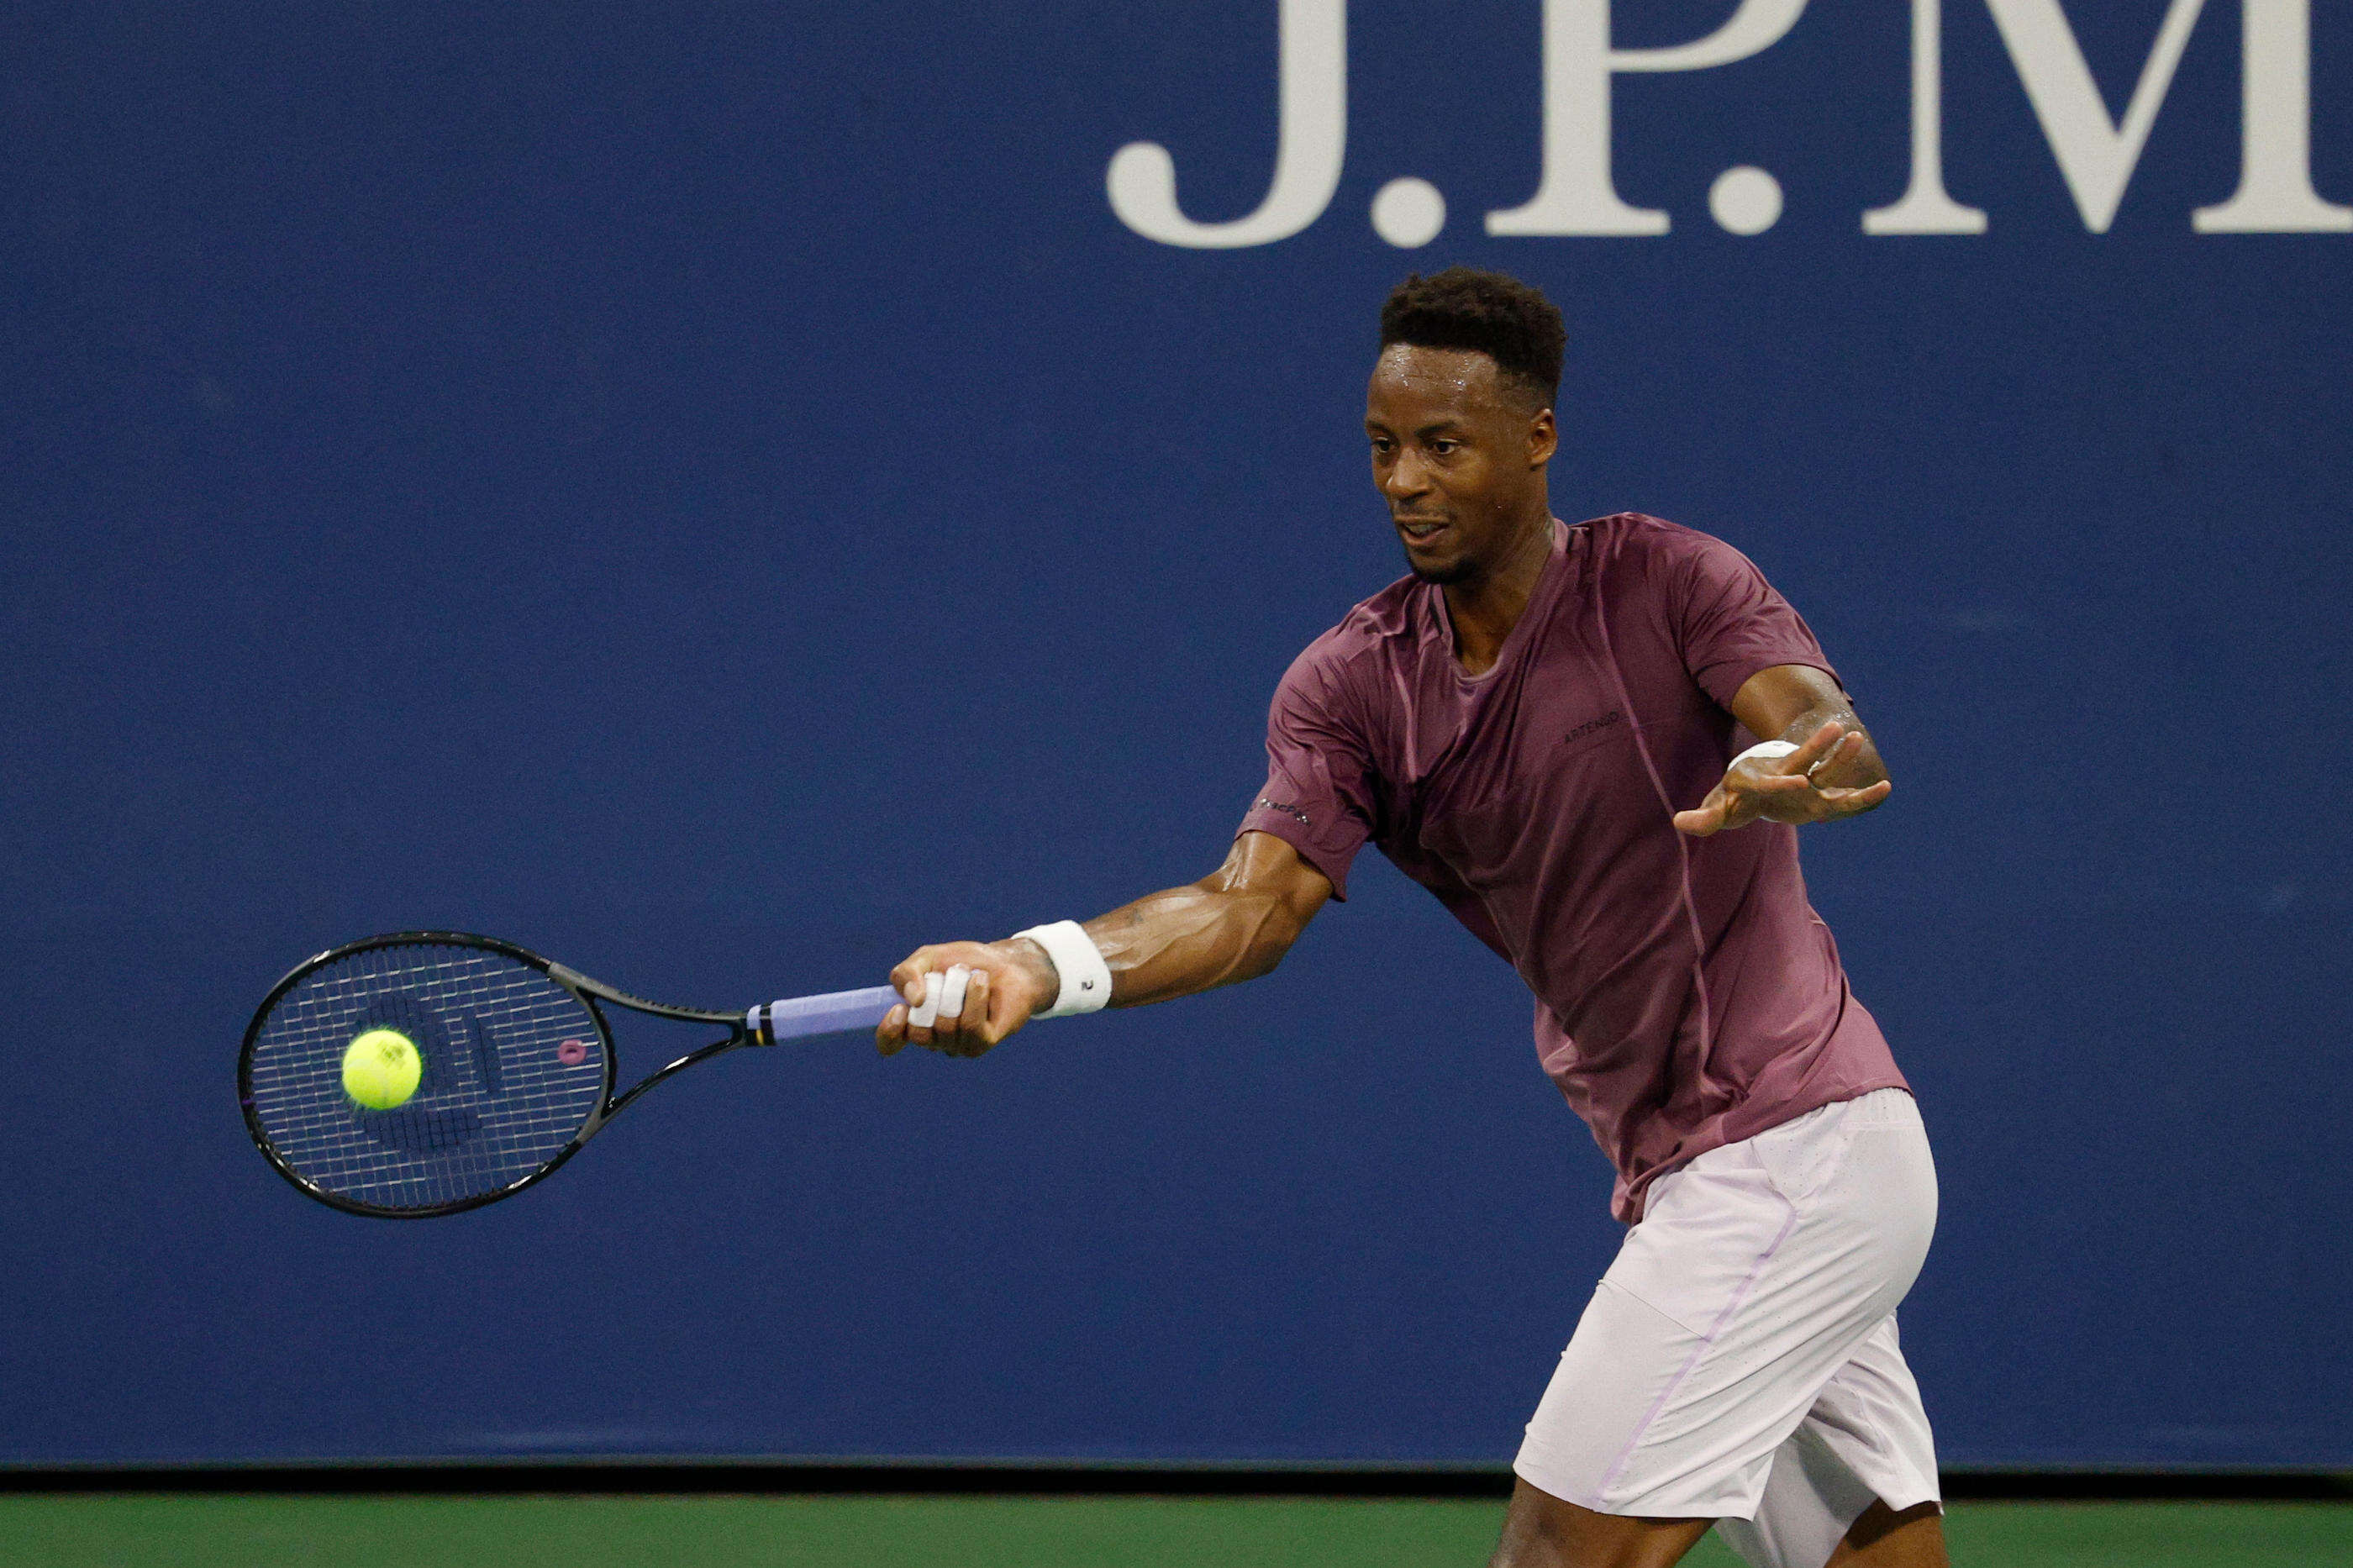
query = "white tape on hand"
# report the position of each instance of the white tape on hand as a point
(951, 993)
(925, 1012)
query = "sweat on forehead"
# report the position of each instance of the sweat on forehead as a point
(1452, 375)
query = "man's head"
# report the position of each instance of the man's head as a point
(1460, 415)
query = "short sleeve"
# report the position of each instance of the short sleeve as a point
(1730, 623)
(1318, 796)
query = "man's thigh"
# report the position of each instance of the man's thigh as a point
(1755, 1275)
(1866, 1441)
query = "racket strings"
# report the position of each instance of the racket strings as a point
(516, 1069)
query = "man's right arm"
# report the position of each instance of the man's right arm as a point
(1234, 924)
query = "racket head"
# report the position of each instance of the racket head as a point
(517, 1073)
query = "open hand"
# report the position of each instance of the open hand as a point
(1783, 789)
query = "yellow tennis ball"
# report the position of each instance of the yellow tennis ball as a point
(381, 1069)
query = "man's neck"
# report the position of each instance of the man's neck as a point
(1484, 608)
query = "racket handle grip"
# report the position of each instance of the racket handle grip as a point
(835, 1012)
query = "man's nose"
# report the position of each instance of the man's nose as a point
(1406, 478)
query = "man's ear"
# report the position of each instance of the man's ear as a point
(1543, 438)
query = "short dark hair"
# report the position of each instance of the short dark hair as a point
(1491, 313)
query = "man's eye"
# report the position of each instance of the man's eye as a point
(1444, 449)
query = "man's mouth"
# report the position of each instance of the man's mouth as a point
(1420, 530)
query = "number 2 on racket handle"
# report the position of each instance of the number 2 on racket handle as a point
(835, 1012)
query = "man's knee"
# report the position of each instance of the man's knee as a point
(1913, 1537)
(1541, 1530)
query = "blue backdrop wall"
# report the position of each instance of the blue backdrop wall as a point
(718, 494)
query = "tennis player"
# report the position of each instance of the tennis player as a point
(1594, 744)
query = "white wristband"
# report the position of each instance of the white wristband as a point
(1086, 978)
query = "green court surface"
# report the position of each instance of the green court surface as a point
(215, 1531)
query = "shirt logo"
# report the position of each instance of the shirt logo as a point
(1613, 717)
(1284, 806)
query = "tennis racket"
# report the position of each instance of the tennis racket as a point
(501, 1068)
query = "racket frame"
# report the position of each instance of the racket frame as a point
(589, 993)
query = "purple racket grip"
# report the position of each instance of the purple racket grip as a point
(835, 1012)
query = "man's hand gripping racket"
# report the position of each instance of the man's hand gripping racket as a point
(963, 997)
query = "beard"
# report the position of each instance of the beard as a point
(1441, 573)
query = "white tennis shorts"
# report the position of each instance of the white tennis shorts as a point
(1738, 1361)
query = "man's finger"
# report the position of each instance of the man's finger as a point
(926, 1008)
(890, 1034)
(977, 1028)
(932, 955)
(1848, 800)
(1700, 820)
(1847, 749)
(952, 986)
(947, 1027)
(967, 1031)
(925, 1011)
(1809, 753)
(1812, 750)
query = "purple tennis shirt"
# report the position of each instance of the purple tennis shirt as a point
(1687, 996)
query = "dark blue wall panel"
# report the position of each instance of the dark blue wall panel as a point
(715, 493)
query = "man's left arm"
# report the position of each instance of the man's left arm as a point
(1832, 769)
